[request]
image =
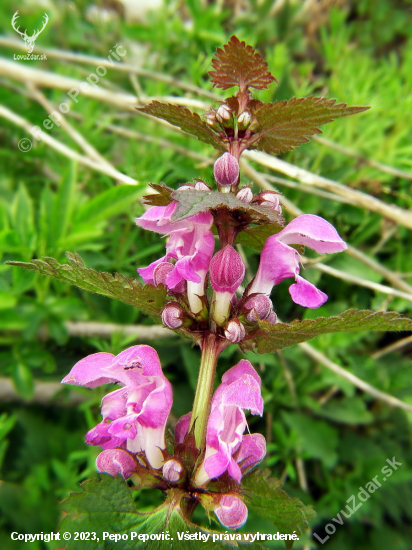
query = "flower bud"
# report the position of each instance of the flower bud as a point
(211, 119)
(244, 119)
(116, 461)
(268, 198)
(245, 194)
(234, 331)
(172, 315)
(161, 271)
(226, 270)
(260, 307)
(272, 318)
(202, 186)
(173, 470)
(224, 113)
(226, 170)
(231, 511)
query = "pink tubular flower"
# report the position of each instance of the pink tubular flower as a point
(190, 243)
(134, 417)
(240, 390)
(279, 261)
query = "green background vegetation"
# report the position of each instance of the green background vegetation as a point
(325, 437)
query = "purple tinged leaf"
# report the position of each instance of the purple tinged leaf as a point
(285, 124)
(186, 120)
(239, 65)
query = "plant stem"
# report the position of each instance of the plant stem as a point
(211, 349)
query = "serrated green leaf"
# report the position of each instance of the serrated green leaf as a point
(147, 298)
(282, 335)
(264, 495)
(255, 237)
(285, 124)
(239, 65)
(186, 120)
(107, 506)
(192, 202)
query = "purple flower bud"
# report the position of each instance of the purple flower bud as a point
(172, 315)
(226, 170)
(235, 331)
(173, 470)
(202, 186)
(268, 198)
(160, 274)
(260, 307)
(224, 113)
(226, 270)
(231, 511)
(116, 461)
(244, 119)
(161, 271)
(272, 318)
(245, 194)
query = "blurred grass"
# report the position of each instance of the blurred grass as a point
(323, 434)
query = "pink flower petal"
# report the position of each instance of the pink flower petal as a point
(314, 232)
(306, 294)
(90, 371)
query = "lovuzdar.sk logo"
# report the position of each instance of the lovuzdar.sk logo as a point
(28, 40)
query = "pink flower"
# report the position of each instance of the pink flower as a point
(279, 261)
(134, 416)
(190, 243)
(240, 390)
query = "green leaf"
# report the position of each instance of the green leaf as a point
(60, 214)
(281, 335)
(23, 218)
(239, 65)
(186, 120)
(108, 203)
(23, 380)
(147, 298)
(285, 124)
(107, 506)
(264, 495)
(193, 202)
(255, 237)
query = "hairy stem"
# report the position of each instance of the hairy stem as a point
(211, 349)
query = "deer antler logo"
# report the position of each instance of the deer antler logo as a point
(28, 40)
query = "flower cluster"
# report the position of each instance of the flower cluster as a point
(189, 258)
(211, 451)
(132, 432)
